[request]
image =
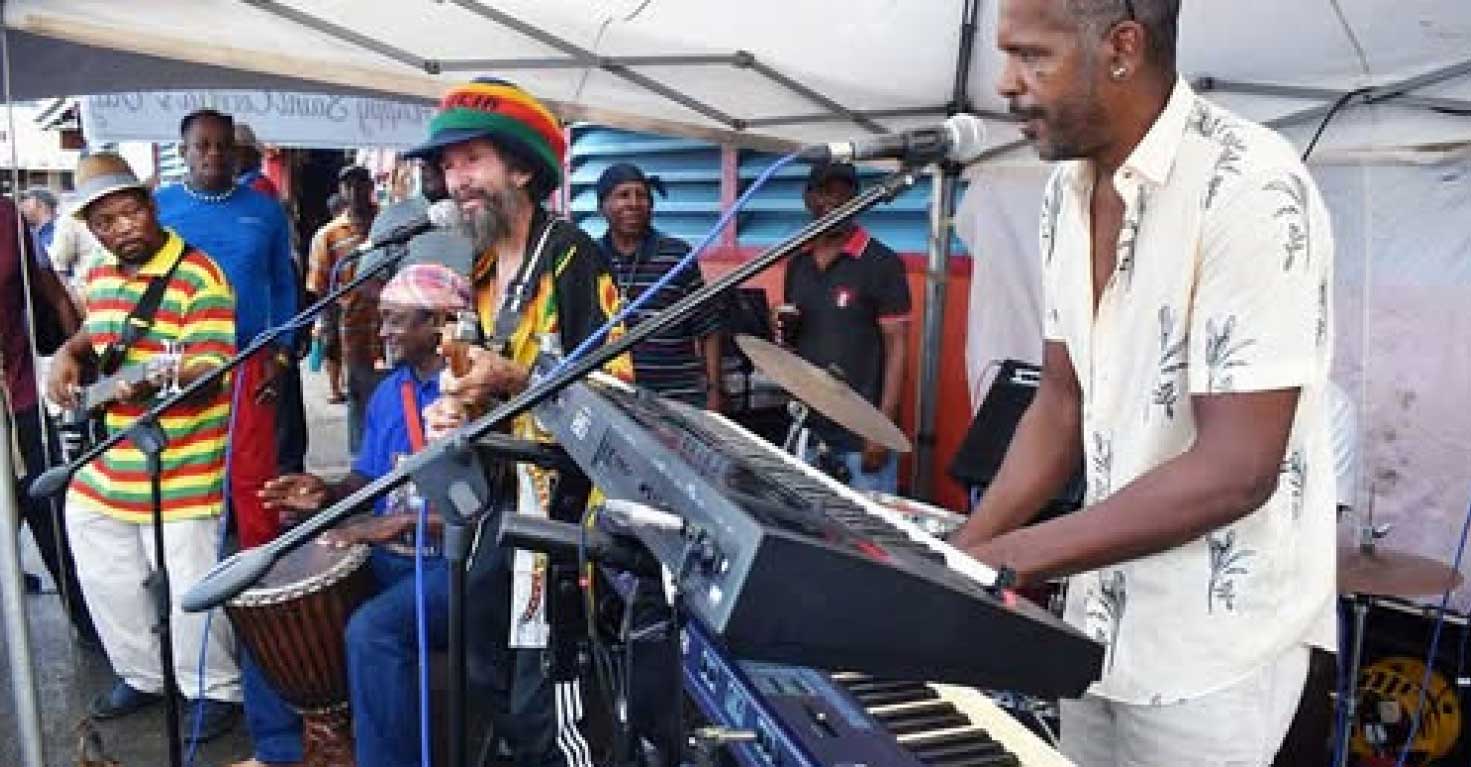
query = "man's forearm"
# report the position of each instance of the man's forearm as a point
(895, 346)
(1043, 455)
(79, 347)
(1179, 501)
(346, 486)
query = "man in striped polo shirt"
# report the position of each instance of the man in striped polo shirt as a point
(109, 504)
(683, 362)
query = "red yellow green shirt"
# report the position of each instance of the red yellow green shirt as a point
(197, 312)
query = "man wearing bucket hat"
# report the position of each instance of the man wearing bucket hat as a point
(682, 362)
(108, 505)
(535, 276)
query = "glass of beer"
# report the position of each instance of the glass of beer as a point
(788, 317)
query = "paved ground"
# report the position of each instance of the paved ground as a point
(67, 677)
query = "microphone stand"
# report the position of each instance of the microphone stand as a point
(235, 574)
(151, 439)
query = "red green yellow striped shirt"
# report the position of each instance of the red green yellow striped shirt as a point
(198, 313)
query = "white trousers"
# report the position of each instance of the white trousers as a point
(114, 558)
(1239, 726)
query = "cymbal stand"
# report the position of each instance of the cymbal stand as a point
(1368, 536)
(799, 411)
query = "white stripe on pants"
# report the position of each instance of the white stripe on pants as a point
(1241, 725)
(114, 558)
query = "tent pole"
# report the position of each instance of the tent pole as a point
(17, 629)
(937, 273)
(12, 591)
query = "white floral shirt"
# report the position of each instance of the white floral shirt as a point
(1223, 284)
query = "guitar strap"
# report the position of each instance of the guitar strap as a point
(139, 321)
(519, 291)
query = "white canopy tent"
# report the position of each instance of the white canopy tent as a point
(766, 73)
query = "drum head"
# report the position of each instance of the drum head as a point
(305, 570)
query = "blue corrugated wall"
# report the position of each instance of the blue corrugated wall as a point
(691, 171)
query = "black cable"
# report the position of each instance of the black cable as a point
(1333, 110)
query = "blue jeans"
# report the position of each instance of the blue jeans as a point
(275, 727)
(383, 659)
(885, 480)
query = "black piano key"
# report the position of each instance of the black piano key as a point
(971, 747)
(863, 683)
(894, 697)
(1002, 759)
(942, 739)
(946, 753)
(935, 715)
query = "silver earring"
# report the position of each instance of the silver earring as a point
(1119, 72)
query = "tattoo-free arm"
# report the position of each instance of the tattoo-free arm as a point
(1229, 472)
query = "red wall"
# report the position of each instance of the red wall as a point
(953, 406)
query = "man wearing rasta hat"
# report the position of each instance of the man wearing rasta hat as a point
(534, 276)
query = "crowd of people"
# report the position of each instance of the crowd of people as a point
(204, 267)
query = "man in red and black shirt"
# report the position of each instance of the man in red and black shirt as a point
(852, 301)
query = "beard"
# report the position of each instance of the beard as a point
(491, 221)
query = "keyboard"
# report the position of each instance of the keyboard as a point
(792, 716)
(785, 565)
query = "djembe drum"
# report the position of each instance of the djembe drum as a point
(294, 622)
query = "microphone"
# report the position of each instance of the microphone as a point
(228, 578)
(441, 215)
(959, 139)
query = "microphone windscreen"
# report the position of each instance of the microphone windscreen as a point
(444, 214)
(967, 137)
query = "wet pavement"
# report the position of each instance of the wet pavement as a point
(68, 677)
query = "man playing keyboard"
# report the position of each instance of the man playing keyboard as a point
(1188, 319)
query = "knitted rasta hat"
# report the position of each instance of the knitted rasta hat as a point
(510, 117)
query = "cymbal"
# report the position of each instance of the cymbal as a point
(1389, 573)
(823, 393)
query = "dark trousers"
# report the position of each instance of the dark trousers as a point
(46, 521)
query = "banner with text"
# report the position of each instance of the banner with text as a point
(284, 118)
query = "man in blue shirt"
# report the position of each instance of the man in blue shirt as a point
(381, 651)
(247, 234)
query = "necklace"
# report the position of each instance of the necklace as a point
(627, 270)
(216, 197)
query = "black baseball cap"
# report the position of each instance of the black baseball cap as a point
(832, 171)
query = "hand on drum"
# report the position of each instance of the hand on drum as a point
(292, 495)
(374, 529)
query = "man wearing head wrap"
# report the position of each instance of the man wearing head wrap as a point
(381, 652)
(535, 277)
(683, 361)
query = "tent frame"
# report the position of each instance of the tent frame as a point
(736, 129)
